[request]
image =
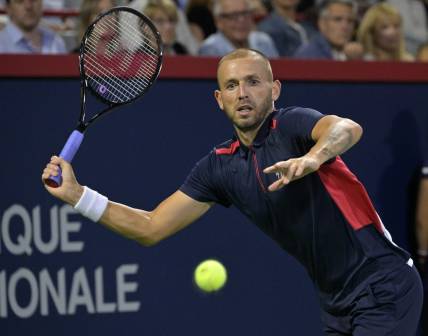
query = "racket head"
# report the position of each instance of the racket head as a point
(121, 56)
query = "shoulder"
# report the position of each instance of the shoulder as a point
(228, 147)
(293, 111)
(260, 36)
(271, 23)
(296, 120)
(264, 43)
(220, 151)
(317, 47)
(211, 40)
(53, 38)
(212, 45)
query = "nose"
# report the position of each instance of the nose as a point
(242, 92)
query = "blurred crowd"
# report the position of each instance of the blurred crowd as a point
(306, 29)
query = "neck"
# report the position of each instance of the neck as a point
(35, 38)
(287, 12)
(247, 136)
(32, 35)
(240, 44)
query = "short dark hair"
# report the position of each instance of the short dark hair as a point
(324, 5)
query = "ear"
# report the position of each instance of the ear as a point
(217, 95)
(276, 90)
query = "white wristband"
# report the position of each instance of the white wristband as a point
(91, 204)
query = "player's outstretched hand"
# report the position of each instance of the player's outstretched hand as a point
(70, 190)
(291, 170)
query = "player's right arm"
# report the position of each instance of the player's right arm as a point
(146, 227)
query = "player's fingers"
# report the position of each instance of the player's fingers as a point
(276, 185)
(45, 174)
(270, 169)
(65, 166)
(291, 171)
(51, 172)
(52, 166)
(300, 169)
(55, 160)
(278, 167)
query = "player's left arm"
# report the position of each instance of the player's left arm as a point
(333, 136)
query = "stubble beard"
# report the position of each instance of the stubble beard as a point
(260, 115)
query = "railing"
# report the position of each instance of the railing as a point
(188, 67)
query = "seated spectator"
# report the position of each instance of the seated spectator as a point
(336, 24)
(184, 35)
(415, 22)
(200, 18)
(281, 26)
(23, 32)
(422, 53)
(89, 10)
(381, 35)
(164, 15)
(235, 25)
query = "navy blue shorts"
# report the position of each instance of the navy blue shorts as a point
(390, 306)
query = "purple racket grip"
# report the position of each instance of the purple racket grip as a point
(69, 150)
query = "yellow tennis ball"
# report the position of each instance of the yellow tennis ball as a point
(210, 275)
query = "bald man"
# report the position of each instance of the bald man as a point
(282, 170)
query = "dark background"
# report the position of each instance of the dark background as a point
(141, 153)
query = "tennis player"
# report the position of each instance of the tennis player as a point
(282, 169)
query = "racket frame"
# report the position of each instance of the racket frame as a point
(83, 125)
(76, 137)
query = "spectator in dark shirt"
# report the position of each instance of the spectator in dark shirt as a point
(282, 26)
(336, 24)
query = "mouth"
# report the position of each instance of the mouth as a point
(244, 110)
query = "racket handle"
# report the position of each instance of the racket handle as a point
(68, 151)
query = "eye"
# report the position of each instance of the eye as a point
(254, 82)
(230, 86)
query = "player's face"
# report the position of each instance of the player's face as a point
(247, 91)
(25, 14)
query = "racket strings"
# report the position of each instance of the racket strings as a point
(121, 57)
(135, 82)
(131, 85)
(134, 40)
(127, 61)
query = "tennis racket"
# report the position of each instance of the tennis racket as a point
(120, 59)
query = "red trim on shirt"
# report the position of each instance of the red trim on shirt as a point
(229, 150)
(349, 195)
(273, 123)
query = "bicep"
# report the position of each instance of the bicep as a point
(323, 125)
(175, 213)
